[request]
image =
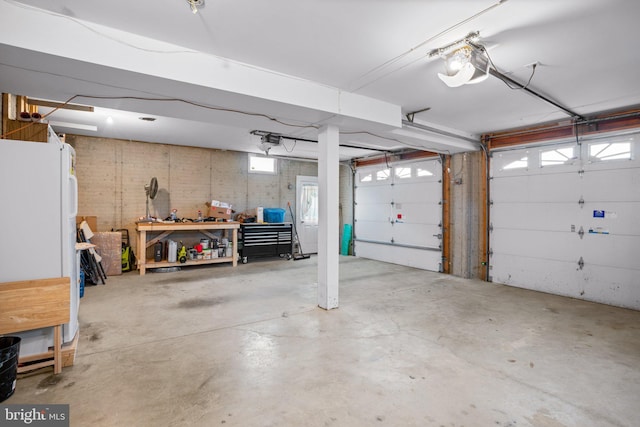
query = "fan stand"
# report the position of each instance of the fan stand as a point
(151, 190)
(148, 217)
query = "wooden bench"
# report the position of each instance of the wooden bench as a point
(35, 304)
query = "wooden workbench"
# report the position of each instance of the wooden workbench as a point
(165, 229)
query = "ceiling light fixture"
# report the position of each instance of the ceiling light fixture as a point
(466, 62)
(195, 4)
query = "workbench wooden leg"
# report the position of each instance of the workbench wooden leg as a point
(142, 251)
(57, 349)
(234, 253)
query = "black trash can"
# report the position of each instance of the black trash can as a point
(9, 350)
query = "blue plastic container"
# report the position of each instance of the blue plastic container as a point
(81, 283)
(273, 215)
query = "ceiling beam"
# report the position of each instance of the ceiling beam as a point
(57, 105)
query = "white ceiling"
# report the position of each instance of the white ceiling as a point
(359, 64)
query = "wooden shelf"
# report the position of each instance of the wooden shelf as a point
(154, 264)
(163, 230)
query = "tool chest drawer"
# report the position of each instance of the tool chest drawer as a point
(265, 240)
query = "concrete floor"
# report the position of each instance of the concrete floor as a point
(247, 346)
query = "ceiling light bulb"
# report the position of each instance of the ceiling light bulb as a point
(466, 65)
(194, 4)
(458, 59)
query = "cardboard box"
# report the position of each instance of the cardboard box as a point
(217, 212)
(92, 221)
(219, 204)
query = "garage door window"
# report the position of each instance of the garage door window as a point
(383, 175)
(557, 156)
(512, 161)
(403, 172)
(365, 176)
(605, 151)
(422, 171)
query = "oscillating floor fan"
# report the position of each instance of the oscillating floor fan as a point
(152, 191)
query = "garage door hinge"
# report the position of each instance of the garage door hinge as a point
(581, 232)
(392, 241)
(581, 201)
(581, 172)
(393, 203)
(439, 236)
(491, 202)
(490, 252)
(491, 227)
(580, 264)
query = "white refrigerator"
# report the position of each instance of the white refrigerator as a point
(38, 208)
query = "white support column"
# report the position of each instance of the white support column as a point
(328, 227)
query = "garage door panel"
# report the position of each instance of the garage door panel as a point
(374, 194)
(536, 188)
(537, 215)
(423, 259)
(612, 185)
(417, 258)
(619, 218)
(372, 230)
(371, 212)
(605, 250)
(532, 216)
(413, 203)
(417, 235)
(544, 245)
(610, 285)
(546, 275)
(417, 192)
(419, 214)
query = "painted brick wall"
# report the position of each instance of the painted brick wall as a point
(112, 174)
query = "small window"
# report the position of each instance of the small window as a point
(558, 156)
(383, 175)
(604, 151)
(262, 164)
(366, 177)
(403, 172)
(521, 163)
(421, 171)
(510, 161)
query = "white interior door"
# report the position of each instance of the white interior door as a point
(564, 220)
(398, 214)
(307, 213)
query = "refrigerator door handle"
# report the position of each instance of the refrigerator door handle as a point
(74, 207)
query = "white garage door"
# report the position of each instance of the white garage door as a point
(398, 214)
(565, 219)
